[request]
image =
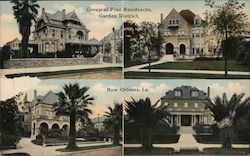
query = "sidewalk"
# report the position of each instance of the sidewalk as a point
(138, 69)
(59, 68)
(188, 141)
(27, 147)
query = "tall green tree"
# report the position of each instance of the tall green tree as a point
(25, 12)
(147, 116)
(229, 115)
(151, 39)
(227, 21)
(114, 121)
(73, 101)
(9, 123)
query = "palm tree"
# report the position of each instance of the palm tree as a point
(25, 11)
(229, 114)
(147, 117)
(114, 121)
(73, 101)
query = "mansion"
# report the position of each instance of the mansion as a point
(44, 117)
(186, 36)
(186, 105)
(63, 35)
(63, 31)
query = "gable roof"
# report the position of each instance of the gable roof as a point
(50, 98)
(185, 94)
(188, 16)
(16, 39)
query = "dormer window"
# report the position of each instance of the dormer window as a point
(194, 93)
(177, 93)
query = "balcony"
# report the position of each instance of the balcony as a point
(173, 25)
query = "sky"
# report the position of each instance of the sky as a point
(104, 98)
(100, 27)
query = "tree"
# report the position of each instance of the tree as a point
(149, 33)
(9, 123)
(131, 38)
(4, 55)
(244, 54)
(73, 101)
(229, 114)
(114, 121)
(147, 117)
(227, 21)
(25, 11)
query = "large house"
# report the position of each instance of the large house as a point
(44, 117)
(186, 105)
(186, 35)
(63, 31)
(112, 44)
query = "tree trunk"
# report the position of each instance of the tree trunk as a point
(225, 54)
(25, 31)
(226, 137)
(146, 140)
(72, 132)
(116, 136)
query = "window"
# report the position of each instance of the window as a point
(197, 21)
(179, 33)
(47, 112)
(197, 33)
(193, 33)
(193, 49)
(53, 35)
(202, 33)
(47, 47)
(61, 46)
(194, 93)
(185, 104)
(197, 48)
(175, 104)
(195, 105)
(177, 93)
(61, 34)
(170, 21)
(53, 47)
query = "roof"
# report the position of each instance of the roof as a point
(16, 39)
(59, 17)
(49, 98)
(187, 15)
(93, 41)
(185, 94)
(101, 119)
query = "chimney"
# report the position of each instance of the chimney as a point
(208, 92)
(43, 10)
(113, 29)
(35, 97)
(161, 17)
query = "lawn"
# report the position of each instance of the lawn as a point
(217, 65)
(87, 148)
(160, 75)
(154, 150)
(135, 63)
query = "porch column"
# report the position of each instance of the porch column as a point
(172, 119)
(192, 121)
(179, 119)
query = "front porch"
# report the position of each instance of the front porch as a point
(188, 119)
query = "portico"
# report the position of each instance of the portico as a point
(187, 119)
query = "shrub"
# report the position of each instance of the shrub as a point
(199, 128)
(208, 58)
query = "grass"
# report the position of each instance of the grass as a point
(160, 75)
(232, 151)
(154, 150)
(86, 148)
(135, 63)
(217, 65)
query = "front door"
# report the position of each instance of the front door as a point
(186, 120)
(169, 48)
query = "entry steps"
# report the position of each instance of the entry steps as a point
(186, 130)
